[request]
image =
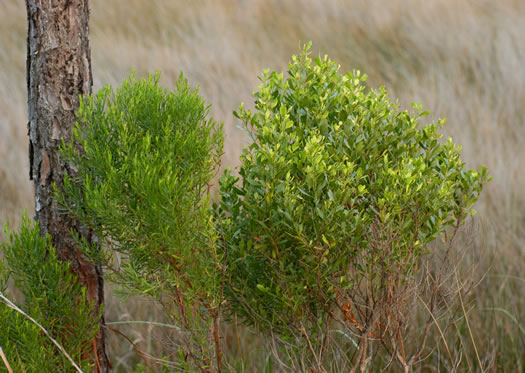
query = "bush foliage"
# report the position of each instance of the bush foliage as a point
(47, 286)
(339, 195)
(144, 158)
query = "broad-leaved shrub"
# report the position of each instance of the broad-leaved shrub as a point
(339, 195)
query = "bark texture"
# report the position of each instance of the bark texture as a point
(58, 71)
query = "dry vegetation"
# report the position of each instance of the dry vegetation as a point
(464, 60)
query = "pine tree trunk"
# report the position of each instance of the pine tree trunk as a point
(58, 71)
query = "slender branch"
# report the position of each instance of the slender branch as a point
(216, 335)
(4, 359)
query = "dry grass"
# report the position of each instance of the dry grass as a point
(464, 60)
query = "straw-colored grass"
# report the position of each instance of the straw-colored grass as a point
(463, 59)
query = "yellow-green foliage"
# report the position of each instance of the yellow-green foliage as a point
(335, 173)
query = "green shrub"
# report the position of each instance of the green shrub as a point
(144, 159)
(340, 194)
(46, 284)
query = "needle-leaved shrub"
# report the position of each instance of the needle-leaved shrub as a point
(144, 159)
(46, 284)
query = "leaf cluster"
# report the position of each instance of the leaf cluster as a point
(52, 296)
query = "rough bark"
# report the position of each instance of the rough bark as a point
(58, 71)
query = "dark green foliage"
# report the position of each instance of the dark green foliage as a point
(47, 285)
(144, 159)
(340, 194)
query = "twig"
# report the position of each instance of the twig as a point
(4, 359)
(276, 353)
(303, 330)
(466, 320)
(143, 322)
(142, 354)
(438, 327)
(96, 355)
(217, 337)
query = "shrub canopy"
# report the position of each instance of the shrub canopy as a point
(336, 175)
(144, 158)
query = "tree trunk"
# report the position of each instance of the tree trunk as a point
(58, 71)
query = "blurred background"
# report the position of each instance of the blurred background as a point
(464, 60)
